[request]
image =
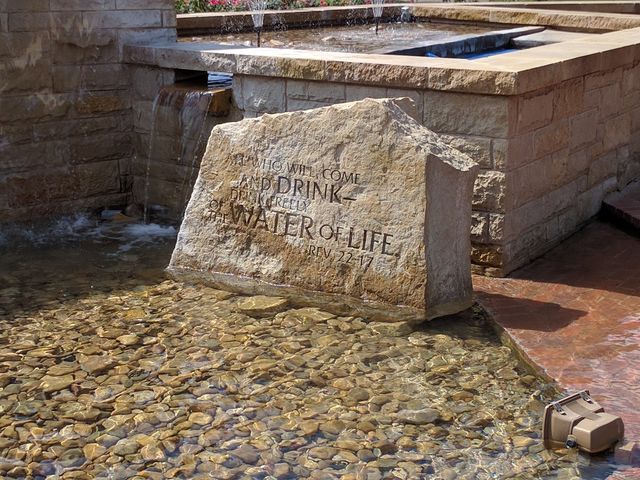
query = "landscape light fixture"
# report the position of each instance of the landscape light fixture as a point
(579, 421)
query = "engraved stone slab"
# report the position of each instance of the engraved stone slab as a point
(353, 207)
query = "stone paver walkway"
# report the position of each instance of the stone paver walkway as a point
(575, 313)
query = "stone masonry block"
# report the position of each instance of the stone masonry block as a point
(512, 153)
(602, 168)
(297, 89)
(146, 82)
(16, 134)
(66, 78)
(4, 22)
(552, 229)
(143, 4)
(568, 99)
(360, 92)
(524, 218)
(496, 227)
(568, 221)
(479, 226)
(262, 95)
(326, 92)
(583, 129)
(97, 103)
(169, 19)
(100, 148)
(104, 77)
(82, 5)
(26, 6)
(29, 22)
(535, 111)
(482, 115)
(82, 127)
(97, 46)
(295, 105)
(529, 181)
(144, 36)
(97, 178)
(33, 77)
(40, 107)
(478, 148)
(20, 49)
(631, 79)
(490, 255)
(602, 79)
(561, 198)
(578, 163)
(31, 157)
(617, 131)
(143, 115)
(550, 139)
(123, 19)
(489, 192)
(611, 100)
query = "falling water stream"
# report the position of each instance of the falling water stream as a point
(179, 124)
(257, 16)
(377, 12)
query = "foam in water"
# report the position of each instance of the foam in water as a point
(85, 227)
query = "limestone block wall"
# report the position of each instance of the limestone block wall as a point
(573, 143)
(478, 125)
(65, 101)
(547, 157)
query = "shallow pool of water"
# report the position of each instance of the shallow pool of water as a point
(352, 38)
(108, 369)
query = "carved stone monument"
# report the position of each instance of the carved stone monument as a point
(353, 207)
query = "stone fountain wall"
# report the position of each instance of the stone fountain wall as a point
(547, 157)
(554, 128)
(66, 116)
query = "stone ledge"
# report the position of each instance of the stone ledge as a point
(507, 74)
(583, 21)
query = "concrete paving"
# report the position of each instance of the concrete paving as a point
(575, 314)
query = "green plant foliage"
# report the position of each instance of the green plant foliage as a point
(200, 6)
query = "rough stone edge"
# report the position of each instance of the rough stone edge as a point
(452, 161)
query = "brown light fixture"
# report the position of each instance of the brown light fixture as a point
(579, 421)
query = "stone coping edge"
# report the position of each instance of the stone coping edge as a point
(470, 13)
(506, 74)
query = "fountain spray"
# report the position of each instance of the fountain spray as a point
(377, 12)
(257, 15)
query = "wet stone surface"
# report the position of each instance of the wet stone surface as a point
(110, 370)
(352, 38)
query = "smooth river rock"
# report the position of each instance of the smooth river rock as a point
(354, 207)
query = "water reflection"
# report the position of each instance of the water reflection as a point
(110, 370)
(353, 38)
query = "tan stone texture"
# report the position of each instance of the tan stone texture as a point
(62, 75)
(355, 201)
